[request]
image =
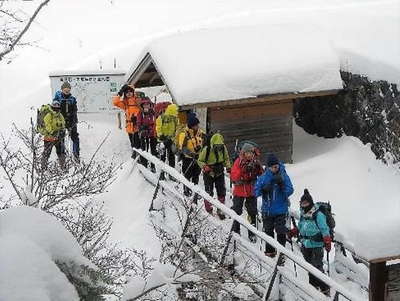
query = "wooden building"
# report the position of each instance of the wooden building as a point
(241, 92)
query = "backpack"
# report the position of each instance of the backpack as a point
(40, 126)
(326, 209)
(160, 107)
(238, 148)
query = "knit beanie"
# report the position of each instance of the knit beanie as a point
(272, 160)
(192, 121)
(65, 85)
(307, 197)
(247, 147)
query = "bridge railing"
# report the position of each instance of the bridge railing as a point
(339, 290)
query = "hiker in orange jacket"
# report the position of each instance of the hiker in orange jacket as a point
(127, 101)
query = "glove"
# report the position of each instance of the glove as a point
(293, 232)
(144, 127)
(228, 170)
(327, 243)
(207, 169)
(122, 90)
(278, 179)
(267, 188)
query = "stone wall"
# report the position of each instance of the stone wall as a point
(364, 109)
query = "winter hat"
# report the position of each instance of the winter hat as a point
(247, 148)
(65, 85)
(272, 160)
(306, 197)
(192, 121)
(56, 104)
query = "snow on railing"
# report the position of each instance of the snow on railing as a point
(339, 289)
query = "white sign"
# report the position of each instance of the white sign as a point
(93, 90)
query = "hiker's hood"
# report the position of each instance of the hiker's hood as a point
(216, 139)
(172, 109)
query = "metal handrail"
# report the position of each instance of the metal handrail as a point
(232, 214)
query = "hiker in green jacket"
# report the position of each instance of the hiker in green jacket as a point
(53, 132)
(212, 160)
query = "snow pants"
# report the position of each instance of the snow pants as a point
(251, 207)
(209, 183)
(168, 153)
(191, 171)
(277, 223)
(60, 151)
(135, 142)
(148, 144)
(314, 256)
(74, 135)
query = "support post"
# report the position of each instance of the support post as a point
(377, 281)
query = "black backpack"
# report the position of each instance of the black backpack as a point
(326, 209)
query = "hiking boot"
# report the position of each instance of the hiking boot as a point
(221, 215)
(270, 254)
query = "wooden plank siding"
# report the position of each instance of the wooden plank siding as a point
(269, 125)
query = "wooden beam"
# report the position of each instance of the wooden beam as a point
(384, 259)
(260, 99)
(377, 281)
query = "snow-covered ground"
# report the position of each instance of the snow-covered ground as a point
(31, 242)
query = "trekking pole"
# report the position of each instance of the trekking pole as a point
(327, 259)
(291, 244)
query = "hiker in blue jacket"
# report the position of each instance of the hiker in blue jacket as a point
(275, 188)
(314, 234)
(69, 110)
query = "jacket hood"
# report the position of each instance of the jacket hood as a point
(172, 109)
(216, 139)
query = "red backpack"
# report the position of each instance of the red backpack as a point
(160, 107)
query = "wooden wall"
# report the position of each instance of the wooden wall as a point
(268, 124)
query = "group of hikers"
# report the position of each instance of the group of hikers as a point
(157, 129)
(56, 120)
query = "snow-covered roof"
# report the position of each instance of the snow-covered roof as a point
(241, 62)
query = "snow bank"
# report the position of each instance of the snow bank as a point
(363, 191)
(243, 62)
(128, 202)
(31, 241)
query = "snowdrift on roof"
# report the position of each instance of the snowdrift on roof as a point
(234, 63)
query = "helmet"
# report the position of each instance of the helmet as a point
(56, 104)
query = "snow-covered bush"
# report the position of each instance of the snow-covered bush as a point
(34, 245)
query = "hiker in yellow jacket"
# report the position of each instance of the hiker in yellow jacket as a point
(53, 132)
(166, 127)
(190, 142)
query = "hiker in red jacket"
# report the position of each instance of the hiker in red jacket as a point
(244, 173)
(146, 126)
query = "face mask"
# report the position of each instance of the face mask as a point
(307, 208)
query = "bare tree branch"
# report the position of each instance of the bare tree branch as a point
(15, 41)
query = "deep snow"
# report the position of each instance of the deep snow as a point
(31, 241)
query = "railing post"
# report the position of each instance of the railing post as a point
(225, 251)
(377, 281)
(160, 178)
(272, 281)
